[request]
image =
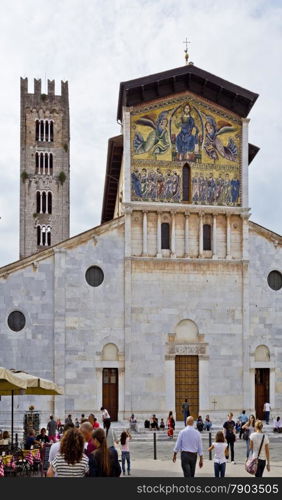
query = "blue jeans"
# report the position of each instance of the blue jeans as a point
(186, 415)
(219, 469)
(267, 413)
(125, 456)
(248, 447)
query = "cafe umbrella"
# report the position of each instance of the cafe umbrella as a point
(28, 385)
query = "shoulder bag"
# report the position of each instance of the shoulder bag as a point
(251, 464)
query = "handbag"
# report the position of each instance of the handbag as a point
(251, 464)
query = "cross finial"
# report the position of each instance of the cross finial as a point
(186, 50)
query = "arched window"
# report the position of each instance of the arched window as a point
(49, 203)
(38, 235)
(207, 237)
(46, 130)
(37, 130)
(51, 131)
(165, 235)
(186, 183)
(44, 202)
(51, 163)
(41, 131)
(43, 235)
(36, 163)
(38, 197)
(48, 236)
(41, 163)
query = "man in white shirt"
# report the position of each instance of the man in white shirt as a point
(189, 442)
(266, 409)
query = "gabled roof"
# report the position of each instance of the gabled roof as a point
(198, 81)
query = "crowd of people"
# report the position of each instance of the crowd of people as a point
(189, 443)
(83, 448)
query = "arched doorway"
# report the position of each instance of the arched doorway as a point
(186, 367)
(262, 355)
(110, 381)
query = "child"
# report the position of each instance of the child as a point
(162, 424)
(221, 450)
(125, 454)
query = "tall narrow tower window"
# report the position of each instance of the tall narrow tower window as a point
(165, 235)
(206, 237)
(37, 130)
(48, 236)
(50, 164)
(44, 202)
(36, 163)
(41, 131)
(41, 163)
(51, 124)
(186, 183)
(38, 199)
(38, 229)
(49, 204)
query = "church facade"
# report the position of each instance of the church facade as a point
(177, 294)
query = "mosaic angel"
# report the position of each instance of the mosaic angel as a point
(157, 142)
(213, 145)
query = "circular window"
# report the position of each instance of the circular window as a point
(94, 276)
(274, 279)
(16, 321)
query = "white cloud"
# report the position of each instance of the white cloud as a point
(95, 45)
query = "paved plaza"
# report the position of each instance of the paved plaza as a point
(144, 465)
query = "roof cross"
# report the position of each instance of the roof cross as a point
(186, 50)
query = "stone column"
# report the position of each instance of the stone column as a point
(204, 402)
(59, 342)
(214, 254)
(159, 235)
(245, 236)
(145, 234)
(245, 163)
(200, 234)
(126, 156)
(245, 333)
(186, 236)
(228, 237)
(170, 383)
(172, 238)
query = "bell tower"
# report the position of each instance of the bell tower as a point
(44, 167)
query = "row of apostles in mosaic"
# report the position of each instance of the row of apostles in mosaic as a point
(176, 294)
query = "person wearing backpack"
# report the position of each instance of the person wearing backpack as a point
(259, 446)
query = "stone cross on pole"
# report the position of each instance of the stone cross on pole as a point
(186, 50)
(214, 403)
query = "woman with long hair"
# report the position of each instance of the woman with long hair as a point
(221, 450)
(70, 461)
(247, 429)
(103, 462)
(125, 453)
(170, 425)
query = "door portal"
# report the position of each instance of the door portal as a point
(262, 390)
(110, 392)
(186, 384)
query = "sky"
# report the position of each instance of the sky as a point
(95, 45)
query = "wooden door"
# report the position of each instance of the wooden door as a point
(261, 391)
(110, 392)
(186, 384)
